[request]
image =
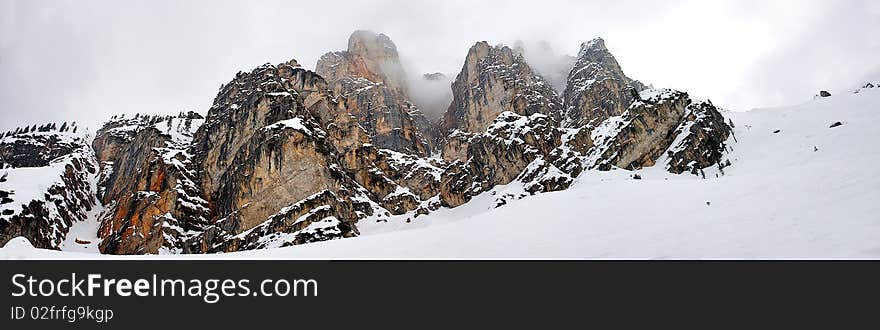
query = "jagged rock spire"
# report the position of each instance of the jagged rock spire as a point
(372, 82)
(370, 55)
(597, 87)
(492, 80)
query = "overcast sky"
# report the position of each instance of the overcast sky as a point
(87, 60)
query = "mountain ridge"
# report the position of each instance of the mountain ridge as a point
(287, 156)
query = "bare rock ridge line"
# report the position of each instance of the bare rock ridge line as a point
(289, 156)
(371, 81)
(496, 79)
(597, 87)
(45, 173)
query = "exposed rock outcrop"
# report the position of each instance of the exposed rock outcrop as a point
(495, 79)
(147, 184)
(498, 156)
(701, 140)
(45, 183)
(597, 87)
(660, 120)
(372, 83)
(315, 218)
(867, 86)
(311, 153)
(262, 148)
(36, 146)
(288, 156)
(372, 56)
(277, 145)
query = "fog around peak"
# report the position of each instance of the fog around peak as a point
(552, 65)
(433, 96)
(87, 60)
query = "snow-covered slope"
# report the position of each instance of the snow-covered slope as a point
(46, 182)
(797, 188)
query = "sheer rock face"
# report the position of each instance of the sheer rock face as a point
(371, 56)
(243, 107)
(390, 119)
(280, 164)
(306, 170)
(701, 140)
(278, 160)
(498, 156)
(494, 80)
(285, 156)
(147, 184)
(262, 148)
(36, 151)
(316, 218)
(371, 82)
(597, 88)
(45, 184)
(503, 118)
(643, 133)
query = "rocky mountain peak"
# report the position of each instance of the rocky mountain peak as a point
(492, 80)
(597, 88)
(494, 55)
(289, 156)
(371, 82)
(370, 55)
(371, 44)
(595, 45)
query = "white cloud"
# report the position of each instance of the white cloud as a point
(86, 60)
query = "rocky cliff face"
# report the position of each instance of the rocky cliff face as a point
(495, 79)
(37, 146)
(503, 122)
(147, 183)
(597, 88)
(701, 140)
(497, 156)
(370, 55)
(273, 138)
(606, 124)
(288, 156)
(45, 183)
(279, 159)
(692, 135)
(372, 83)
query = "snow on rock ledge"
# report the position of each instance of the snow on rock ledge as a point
(46, 185)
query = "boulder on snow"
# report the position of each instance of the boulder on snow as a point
(824, 94)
